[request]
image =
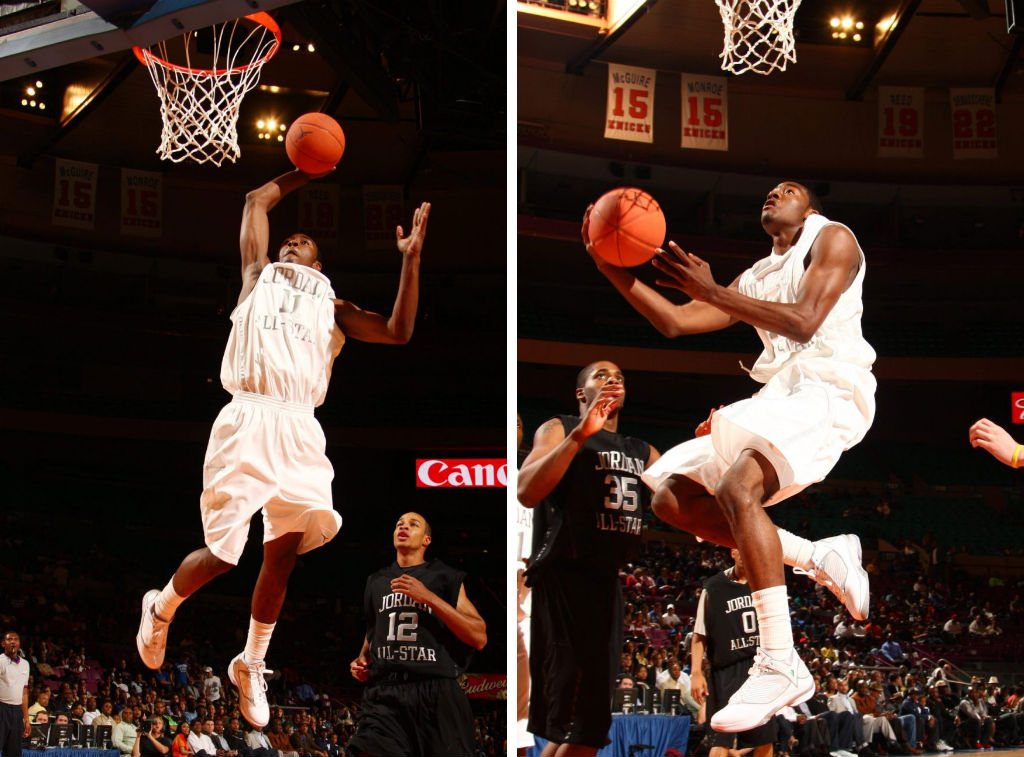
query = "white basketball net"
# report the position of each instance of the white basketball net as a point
(199, 106)
(758, 35)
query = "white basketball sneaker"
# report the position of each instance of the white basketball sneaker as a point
(837, 566)
(771, 685)
(152, 636)
(252, 689)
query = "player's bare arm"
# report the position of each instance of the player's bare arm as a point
(463, 620)
(360, 667)
(367, 326)
(835, 260)
(698, 683)
(553, 451)
(667, 317)
(254, 239)
(995, 440)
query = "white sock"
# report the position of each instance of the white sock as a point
(258, 640)
(167, 601)
(772, 608)
(796, 550)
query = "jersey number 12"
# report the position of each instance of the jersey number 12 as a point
(406, 631)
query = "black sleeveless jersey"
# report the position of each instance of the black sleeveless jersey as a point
(729, 621)
(406, 637)
(593, 516)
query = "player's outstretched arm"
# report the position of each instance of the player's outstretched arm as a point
(835, 260)
(995, 440)
(254, 238)
(463, 620)
(360, 667)
(553, 451)
(368, 326)
(668, 318)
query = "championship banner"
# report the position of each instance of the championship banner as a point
(974, 122)
(74, 194)
(141, 203)
(485, 686)
(705, 112)
(318, 213)
(630, 110)
(462, 472)
(383, 206)
(900, 122)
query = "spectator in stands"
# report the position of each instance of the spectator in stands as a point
(256, 741)
(180, 746)
(152, 741)
(180, 674)
(675, 678)
(839, 702)
(211, 685)
(199, 740)
(941, 673)
(220, 740)
(91, 711)
(42, 703)
(302, 742)
(106, 715)
(847, 628)
(976, 726)
(953, 628)
(892, 651)
(123, 735)
(983, 624)
(874, 720)
(160, 712)
(669, 619)
(280, 739)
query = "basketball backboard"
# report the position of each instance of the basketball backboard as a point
(50, 33)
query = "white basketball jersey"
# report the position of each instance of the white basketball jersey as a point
(838, 341)
(283, 337)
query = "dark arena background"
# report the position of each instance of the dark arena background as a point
(115, 326)
(943, 234)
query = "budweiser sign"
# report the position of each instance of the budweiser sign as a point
(485, 686)
(463, 472)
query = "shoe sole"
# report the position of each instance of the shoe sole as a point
(853, 544)
(138, 637)
(800, 698)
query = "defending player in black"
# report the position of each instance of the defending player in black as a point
(726, 625)
(421, 629)
(583, 478)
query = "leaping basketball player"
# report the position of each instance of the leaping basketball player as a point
(266, 450)
(804, 299)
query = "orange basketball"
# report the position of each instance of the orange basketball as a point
(315, 143)
(626, 225)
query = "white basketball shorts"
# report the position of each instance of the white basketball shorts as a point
(800, 421)
(266, 454)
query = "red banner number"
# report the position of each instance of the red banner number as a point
(982, 124)
(637, 103)
(712, 111)
(78, 193)
(907, 118)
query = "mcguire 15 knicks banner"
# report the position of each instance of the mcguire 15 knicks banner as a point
(630, 111)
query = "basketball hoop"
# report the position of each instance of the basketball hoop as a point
(758, 35)
(199, 106)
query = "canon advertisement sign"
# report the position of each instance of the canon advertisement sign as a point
(468, 472)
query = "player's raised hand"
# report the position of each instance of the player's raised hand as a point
(412, 588)
(359, 668)
(995, 440)
(585, 234)
(412, 244)
(684, 271)
(606, 401)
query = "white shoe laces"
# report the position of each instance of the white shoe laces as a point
(256, 672)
